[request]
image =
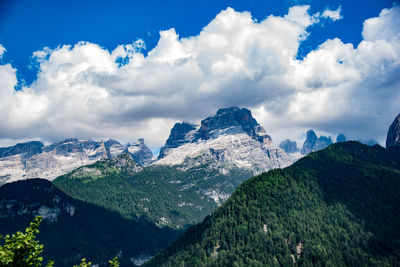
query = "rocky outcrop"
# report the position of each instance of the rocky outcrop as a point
(230, 138)
(230, 117)
(341, 138)
(289, 146)
(33, 160)
(314, 143)
(226, 121)
(393, 136)
(140, 152)
(177, 137)
(28, 148)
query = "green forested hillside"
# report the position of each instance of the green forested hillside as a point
(144, 194)
(165, 195)
(336, 207)
(73, 229)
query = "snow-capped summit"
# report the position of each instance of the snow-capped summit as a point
(230, 138)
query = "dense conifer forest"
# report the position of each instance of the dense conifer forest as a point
(335, 207)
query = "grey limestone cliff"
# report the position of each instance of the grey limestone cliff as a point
(314, 143)
(393, 135)
(289, 146)
(34, 160)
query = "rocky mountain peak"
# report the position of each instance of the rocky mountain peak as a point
(32, 159)
(27, 148)
(311, 136)
(226, 121)
(177, 137)
(140, 152)
(314, 143)
(233, 116)
(289, 146)
(393, 136)
(140, 141)
(341, 138)
(72, 145)
(125, 161)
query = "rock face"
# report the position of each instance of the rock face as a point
(34, 160)
(140, 152)
(341, 138)
(177, 137)
(393, 136)
(233, 117)
(289, 146)
(232, 137)
(30, 148)
(314, 143)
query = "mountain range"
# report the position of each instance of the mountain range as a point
(231, 138)
(198, 169)
(35, 160)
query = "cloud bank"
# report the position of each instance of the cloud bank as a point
(84, 90)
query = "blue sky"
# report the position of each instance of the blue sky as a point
(28, 26)
(295, 64)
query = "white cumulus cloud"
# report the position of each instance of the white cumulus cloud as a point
(333, 14)
(2, 50)
(84, 90)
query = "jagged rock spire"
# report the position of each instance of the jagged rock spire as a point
(393, 136)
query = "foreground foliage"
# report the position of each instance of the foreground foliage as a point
(336, 207)
(22, 249)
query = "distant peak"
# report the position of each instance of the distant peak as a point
(69, 140)
(289, 146)
(228, 110)
(393, 136)
(311, 134)
(30, 148)
(231, 120)
(112, 142)
(140, 152)
(233, 116)
(341, 138)
(314, 143)
(177, 137)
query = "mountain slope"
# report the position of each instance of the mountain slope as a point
(336, 207)
(73, 229)
(154, 193)
(198, 168)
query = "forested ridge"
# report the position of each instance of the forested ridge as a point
(73, 229)
(335, 207)
(145, 194)
(165, 195)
